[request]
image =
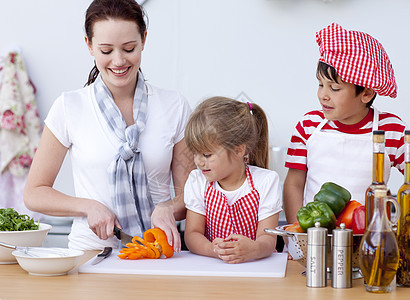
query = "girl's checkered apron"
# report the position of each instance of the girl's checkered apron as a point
(223, 219)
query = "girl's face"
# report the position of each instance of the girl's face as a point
(222, 166)
(340, 102)
(116, 47)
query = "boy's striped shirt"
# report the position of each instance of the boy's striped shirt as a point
(392, 125)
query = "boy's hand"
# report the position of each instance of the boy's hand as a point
(235, 249)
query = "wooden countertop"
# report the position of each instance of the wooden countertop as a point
(15, 283)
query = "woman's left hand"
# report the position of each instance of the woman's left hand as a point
(163, 217)
(235, 249)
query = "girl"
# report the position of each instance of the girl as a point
(125, 138)
(230, 202)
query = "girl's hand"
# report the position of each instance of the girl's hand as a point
(101, 220)
(215, 245)
(235, 249)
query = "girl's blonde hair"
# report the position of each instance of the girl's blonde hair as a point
(229, 123)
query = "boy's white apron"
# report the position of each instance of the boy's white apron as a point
(345, 159)
(223, 219)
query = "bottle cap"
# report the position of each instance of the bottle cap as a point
(378, 136)
(407, 136)
(317, 235)
(342, 236)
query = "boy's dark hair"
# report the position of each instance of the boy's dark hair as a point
(330, 73)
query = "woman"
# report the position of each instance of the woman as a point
(125, 139)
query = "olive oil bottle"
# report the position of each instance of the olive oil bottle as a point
(403, 224)
(378, 175)
(378, 252)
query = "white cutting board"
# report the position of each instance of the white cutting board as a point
(187, 264)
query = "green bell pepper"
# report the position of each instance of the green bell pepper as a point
(316, 212)
(333, 195)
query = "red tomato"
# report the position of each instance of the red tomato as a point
(295, 227)
(346, 216)
(359, 220)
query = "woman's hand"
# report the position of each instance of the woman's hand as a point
(39, 194)
(235, 249)
(101, 220)
(163, 217)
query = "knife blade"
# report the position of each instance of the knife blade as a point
(101, 256)
(121, 235)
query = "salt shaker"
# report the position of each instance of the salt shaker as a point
(342, 250)
(316, 274)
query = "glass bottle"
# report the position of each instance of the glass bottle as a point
(378, 175)
(378, 252)
(403, 224)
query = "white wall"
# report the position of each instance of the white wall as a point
(263, 48)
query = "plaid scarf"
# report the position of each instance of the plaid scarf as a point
(128, 182)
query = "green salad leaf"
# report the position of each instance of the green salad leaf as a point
(11, 220)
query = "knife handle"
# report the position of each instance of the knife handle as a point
(106, 252)
(117, 232)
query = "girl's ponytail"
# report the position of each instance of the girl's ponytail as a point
(259, 156)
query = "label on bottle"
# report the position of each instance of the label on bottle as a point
(407, 152)
(378, 148)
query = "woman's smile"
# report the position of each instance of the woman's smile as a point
(120, 71)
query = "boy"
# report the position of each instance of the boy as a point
(335, 143)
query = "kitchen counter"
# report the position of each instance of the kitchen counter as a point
(15, 283)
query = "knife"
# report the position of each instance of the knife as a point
(103, 255)
(121, 235)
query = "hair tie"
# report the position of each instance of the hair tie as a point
(250, 107)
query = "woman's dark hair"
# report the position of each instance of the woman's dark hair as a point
(330, 73)
(99, 10)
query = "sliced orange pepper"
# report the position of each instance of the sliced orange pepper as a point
(124, 255)
(154, 250)
(137, 238)
(159, 238)
(153, 245)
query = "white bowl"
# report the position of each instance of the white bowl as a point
(28, 238)
(48, 261)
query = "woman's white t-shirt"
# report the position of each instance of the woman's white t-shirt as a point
(77, 122)
(266, 182)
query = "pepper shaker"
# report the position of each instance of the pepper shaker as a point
(342, 249)
(316, 273)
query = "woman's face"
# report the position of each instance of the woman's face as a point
(116, 47)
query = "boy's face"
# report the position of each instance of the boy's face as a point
(340, 102)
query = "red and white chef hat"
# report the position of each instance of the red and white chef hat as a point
(358, 58)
